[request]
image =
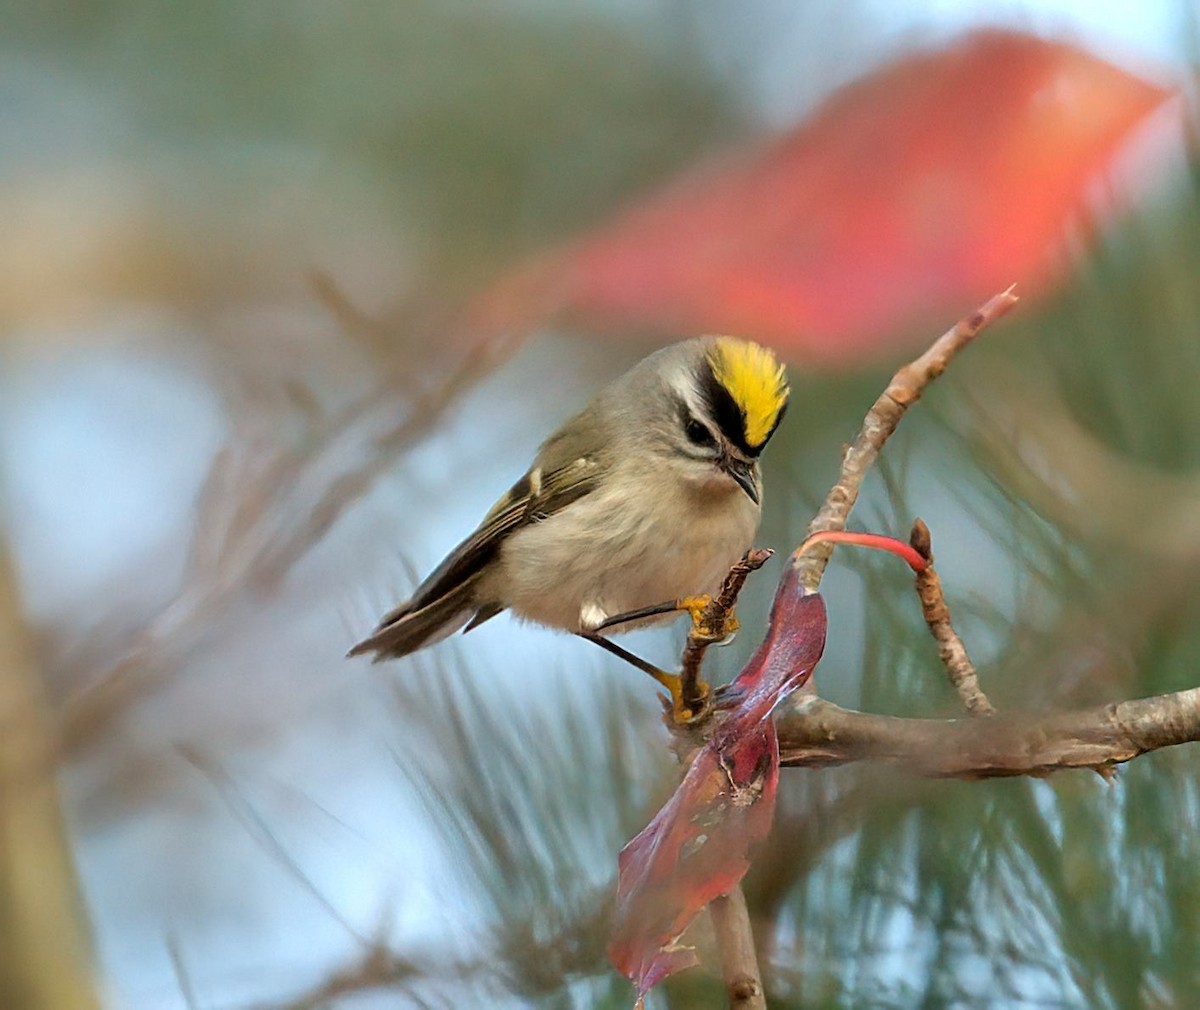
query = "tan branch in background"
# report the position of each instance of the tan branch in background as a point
(45, 949)
(257, 518)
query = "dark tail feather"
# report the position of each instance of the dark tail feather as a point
(406, 630)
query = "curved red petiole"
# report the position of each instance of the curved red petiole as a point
(876, 541)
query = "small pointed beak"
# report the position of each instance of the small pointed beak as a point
(743, 473)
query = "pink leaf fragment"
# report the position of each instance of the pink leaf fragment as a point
(697, 847)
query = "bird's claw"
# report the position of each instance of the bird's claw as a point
(682, 713)
(704, 627)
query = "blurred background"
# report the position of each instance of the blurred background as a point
(291, 292)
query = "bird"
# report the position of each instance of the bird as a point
(632, 511)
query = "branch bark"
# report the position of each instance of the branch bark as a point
(819, 733)
(816, 732)
(739, 962)
(963, 676)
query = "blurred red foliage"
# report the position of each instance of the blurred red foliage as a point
(921, 188)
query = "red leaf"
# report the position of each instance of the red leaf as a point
(697, 847)
(925, 186)
(695, 850)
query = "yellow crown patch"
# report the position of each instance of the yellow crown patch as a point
(755, 379)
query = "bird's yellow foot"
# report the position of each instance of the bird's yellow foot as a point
(673, 682)
(681, 711)
(703, 627)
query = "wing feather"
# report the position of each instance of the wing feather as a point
(533, 498)
(536, 496)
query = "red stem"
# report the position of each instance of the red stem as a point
(876, 541)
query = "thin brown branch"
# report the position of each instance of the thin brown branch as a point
(713, 625)
(817, 733)
(881, 421)
(739, 963)
(373, 333)
(963, 677)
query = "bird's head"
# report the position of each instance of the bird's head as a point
(731, 398)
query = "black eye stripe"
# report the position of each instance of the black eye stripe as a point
(725, 412)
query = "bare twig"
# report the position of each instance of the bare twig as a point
(958, 664)
(817, 732)
(714, 624)
(352, 321)
(739, 963)
(885, 415)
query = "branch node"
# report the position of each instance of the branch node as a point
(921, 540)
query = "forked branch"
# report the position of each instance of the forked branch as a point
(732, 922)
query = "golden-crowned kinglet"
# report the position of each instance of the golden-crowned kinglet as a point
(646, 496)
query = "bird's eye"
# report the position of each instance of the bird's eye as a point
(698, 433)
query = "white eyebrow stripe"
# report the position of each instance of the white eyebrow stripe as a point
(684, 386)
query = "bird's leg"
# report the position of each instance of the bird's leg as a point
(707, 625)
(711, 623)
(671, 681)
(654, 610)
